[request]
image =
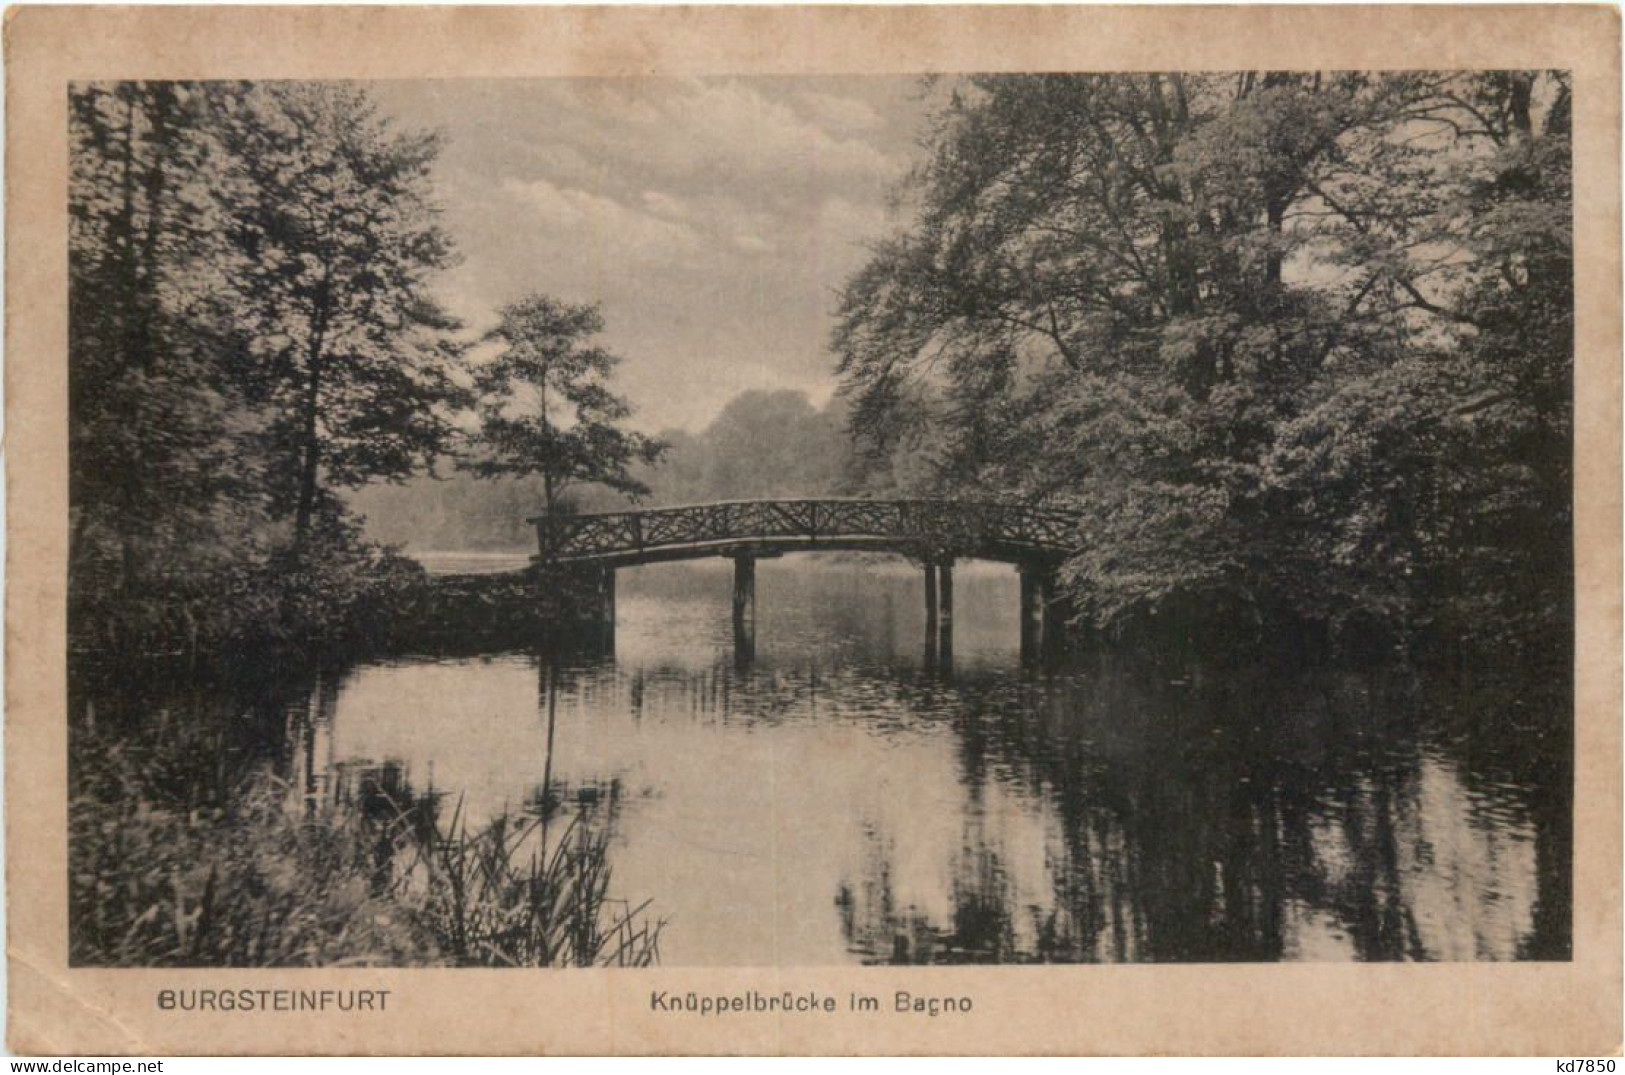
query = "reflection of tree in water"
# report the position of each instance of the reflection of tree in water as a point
(1523, 739)
(1247, 810)
(980, 926)
(232, 718)
(1110, 814)
(403, 810)
(1214, 817)
(1239, 820)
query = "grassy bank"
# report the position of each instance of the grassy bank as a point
(178, 856)
(375, 601)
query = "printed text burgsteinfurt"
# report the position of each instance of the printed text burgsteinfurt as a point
(273, 1000)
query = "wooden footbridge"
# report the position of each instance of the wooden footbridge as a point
(932, 532)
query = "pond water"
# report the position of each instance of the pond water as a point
(841, 797)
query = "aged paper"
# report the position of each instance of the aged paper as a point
(843, 847)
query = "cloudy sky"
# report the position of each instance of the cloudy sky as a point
(714, 219)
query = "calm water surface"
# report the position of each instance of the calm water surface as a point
(839, 798)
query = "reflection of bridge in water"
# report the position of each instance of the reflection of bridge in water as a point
(932, 532)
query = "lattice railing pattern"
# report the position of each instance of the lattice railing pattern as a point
(949, 526)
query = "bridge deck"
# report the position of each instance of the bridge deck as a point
(985, 529)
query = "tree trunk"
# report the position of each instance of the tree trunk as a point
(310, 460)
(549, 493)
(1520, 103)
(144, 270)
(310, 439)
(1275, 213)
(126, 231)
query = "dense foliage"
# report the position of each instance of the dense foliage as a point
(253, 333)
(762, 444)
(1298, 345)
(335, 242)
(249, 330)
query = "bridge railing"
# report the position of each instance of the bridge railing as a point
(943, 525)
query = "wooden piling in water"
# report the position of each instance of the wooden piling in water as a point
(1042, 615)
(1034, 595)
(606, 609)
(744, 604)
(931, 600)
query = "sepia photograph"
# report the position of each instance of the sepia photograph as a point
(1117, 517)
(815, 542)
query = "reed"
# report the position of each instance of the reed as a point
(515, 894)
(179, 859)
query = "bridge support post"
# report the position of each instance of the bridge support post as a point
(933, 621)
(605, 612)
(1041, 617)
(745, 602)
(931, 601)
(1035, 586)
(945, 606)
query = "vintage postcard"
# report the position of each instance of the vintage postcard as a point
(777, 530)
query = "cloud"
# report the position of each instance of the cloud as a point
(714, 219)
(603, 223)
(838, 216)
(722, 127)
(843, 115)
(755, 244)
(666, 205)
(734, 125)
(561, 162)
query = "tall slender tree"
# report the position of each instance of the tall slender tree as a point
(546, 408)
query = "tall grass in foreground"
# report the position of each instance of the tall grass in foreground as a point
(179, 858)
(503, 896)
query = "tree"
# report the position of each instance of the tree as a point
(249, 326)
(771, 444)
(1263, 329)
(545, 406)
(166, 489)
(336, 241)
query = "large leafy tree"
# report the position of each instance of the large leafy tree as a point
(546, 408)
(771, 444)
(165, 483)
(1448, 469)
(336, 241)
(1265, 329)
(249, 327)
